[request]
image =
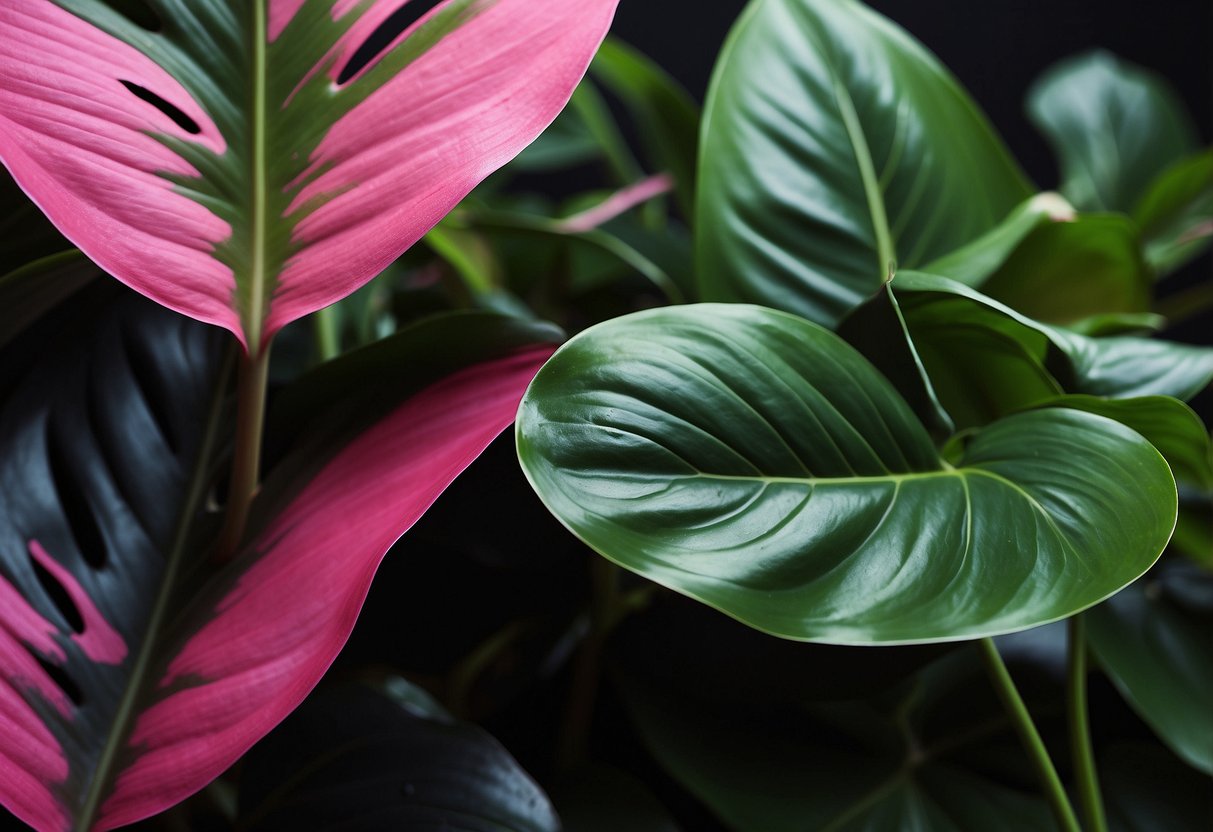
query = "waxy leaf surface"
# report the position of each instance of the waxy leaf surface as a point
(243, 162)
(835, 147)
(133, 668)
(755, 461)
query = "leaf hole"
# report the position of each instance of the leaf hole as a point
(58, 595)
(77, 511)
(386, 32)
(64, 682)
(171, 110)
(138, 12)
(152, 389)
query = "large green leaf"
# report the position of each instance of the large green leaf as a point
(1114, 126)
(1155, 640)
(833, 147)
(753, 460)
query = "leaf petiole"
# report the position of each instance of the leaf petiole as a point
(1050, 782)
(1089, 799)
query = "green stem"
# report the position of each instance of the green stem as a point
(1089, 799)
(1054, 791)
(327, 325)
(604, 606)
(246, 455)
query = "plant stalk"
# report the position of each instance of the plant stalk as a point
(1051, 784)
(327, 330)
(1090, 802)
(573, 744)
(251, 385)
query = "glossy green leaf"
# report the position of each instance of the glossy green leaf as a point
(665, 115)
(1113, 367)
(354, 758)
(1173, 210)
(1114, 127)
(833, 147)
(1101, 326)
(1155, 640)
(1170, 425)
(753, 460)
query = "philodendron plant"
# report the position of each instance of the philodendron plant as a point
(922, 404)
(244, 163)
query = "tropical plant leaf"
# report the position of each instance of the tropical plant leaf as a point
(136, 669)
(247, 163)
(1147, 789)
(1155, 641)
(896, 762)
(754, 461)
(980, 359)
(1114, 127)
(1173, 210)
(1171, 426)
(834, 148)
(352, 756)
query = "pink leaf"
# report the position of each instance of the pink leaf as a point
(248, 211)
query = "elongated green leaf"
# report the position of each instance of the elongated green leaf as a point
(752, 460)
(1114, 127)
(1173, 210)
(1155, 640)
(833, 147)
(665, 114)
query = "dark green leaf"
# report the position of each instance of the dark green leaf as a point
(354, 758)
(752, 460)
(1148, 790)
(599, 798)
(1173, 210)
(848, 766)
(1169, 424)
(834, 147)
(34, 289)
(1114, 127)
(25, 232)
(1155, 640)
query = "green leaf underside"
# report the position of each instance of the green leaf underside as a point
(834, 147)
(221, 54)
(752, 460)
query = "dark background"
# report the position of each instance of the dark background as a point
(995, 47)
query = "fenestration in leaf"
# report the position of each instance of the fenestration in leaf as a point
(223, 164)
(752, 460)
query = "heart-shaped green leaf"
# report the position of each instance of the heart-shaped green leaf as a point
(753, 460)
(834, 146)
(1175, 211)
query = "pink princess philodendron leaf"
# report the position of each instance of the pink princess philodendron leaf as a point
(242, 162)
(132, 671)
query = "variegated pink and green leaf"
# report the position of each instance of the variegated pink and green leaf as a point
(133, 670)
(243, 162)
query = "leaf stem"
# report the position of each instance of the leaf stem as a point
(246, 455)
(573, 744)
(327, 331)
(1054, 791)
(1089, 800)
